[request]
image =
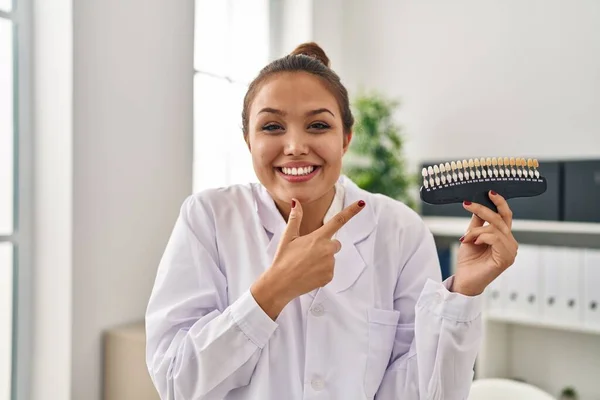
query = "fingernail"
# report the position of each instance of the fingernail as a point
(293, 203)
(493, 193)
(361, 203)
(467, 203)
(462, 238)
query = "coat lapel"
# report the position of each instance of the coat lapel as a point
(349, 262)
(270, 219)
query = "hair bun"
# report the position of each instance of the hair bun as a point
(312, 49)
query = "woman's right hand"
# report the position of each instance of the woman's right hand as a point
(301, 263)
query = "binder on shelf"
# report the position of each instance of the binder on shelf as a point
(494, 296)
(523, 282)
(591, 288)
(562, 270)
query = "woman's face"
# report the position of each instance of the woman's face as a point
(296, 137)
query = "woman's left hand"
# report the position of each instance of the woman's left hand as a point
(487, 250)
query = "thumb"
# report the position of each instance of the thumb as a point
(292, 230)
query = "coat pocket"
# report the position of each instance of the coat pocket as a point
(382, 332)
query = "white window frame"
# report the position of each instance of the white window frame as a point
(22, 236)
(274, 9)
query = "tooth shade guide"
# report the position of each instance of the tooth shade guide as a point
(459, 172)
(456, 184)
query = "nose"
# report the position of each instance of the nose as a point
(296, 143)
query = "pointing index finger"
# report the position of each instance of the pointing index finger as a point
(340, 219)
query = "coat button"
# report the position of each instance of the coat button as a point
(318, 310)
(317, 384)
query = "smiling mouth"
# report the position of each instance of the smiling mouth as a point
(298, 171)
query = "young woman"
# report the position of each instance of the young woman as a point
(304, 286)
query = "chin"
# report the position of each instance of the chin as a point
(304, 195)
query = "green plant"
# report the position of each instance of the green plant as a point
(569, 393)
(375, 161)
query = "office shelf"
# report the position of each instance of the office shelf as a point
(547, 233)
(529, 321)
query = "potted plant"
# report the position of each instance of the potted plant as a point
(375, 161)
(569, 393)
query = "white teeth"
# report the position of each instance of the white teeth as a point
(298, 171)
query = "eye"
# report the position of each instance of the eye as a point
(271, 127)
(320, 126)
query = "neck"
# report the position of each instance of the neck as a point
(312, 213)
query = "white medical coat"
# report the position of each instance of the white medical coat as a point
(385, 327)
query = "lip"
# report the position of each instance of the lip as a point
(298, 178)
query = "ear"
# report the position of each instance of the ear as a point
(347, 140)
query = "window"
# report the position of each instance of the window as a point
(15, 198)
(231, 46)
(7, 193)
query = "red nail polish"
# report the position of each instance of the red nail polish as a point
(467, 203)
(361, 203)
(293, 203)
(493, 193)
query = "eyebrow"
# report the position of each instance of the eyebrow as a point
(283, 113)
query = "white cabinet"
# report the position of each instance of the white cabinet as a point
(542, 316)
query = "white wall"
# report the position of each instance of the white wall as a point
(132, 154)
(53, 219)
(114, 164)
(482, 78)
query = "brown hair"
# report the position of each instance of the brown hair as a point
(307, 57)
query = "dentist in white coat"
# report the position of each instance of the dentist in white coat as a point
(304, 286)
